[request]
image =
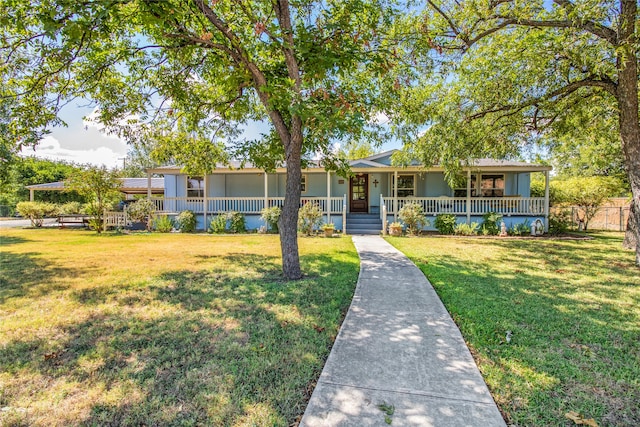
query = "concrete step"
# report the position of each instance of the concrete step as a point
(364, 225)
(367, 216)
(364, 221)
(363, 231)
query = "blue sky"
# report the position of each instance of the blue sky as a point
(85, 142)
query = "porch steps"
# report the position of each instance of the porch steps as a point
(364, 224)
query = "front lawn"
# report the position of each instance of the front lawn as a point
(573, 312)
(164, 329)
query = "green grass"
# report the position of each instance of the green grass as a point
(573, 308)
(164, 329)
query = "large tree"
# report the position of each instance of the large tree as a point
(516, 72)
(186, 73)
(23, 171)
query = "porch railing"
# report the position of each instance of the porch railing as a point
(245, 205)
(115, 219)
(479, 205)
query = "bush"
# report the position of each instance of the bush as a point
(559, 222)
(163, 224)
(36, 211)
(445, 223)
(491, 224)
(237, 221)
(218, 224)
(186, 222)
(309, 218)
(271, 216)
(519, 229)
(70, 208)
(412, 215)
(464, 229)
(141, 211)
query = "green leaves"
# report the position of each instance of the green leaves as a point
(508, 75)
(202, 68)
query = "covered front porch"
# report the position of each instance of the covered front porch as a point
(370, 191)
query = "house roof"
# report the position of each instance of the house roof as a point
(129, 186)
(381, 161)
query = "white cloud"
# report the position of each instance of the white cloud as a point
(380, 118)
(91, 121)
(50, 148)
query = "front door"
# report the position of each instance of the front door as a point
(359, 188)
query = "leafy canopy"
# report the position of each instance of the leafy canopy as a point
(509, 75)
(166, 74)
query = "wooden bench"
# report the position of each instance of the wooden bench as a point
(78, 219)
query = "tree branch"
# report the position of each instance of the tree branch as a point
(563, 91)
(594, 28)
(258, 76)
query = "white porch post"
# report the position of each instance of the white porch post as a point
(266, 191)
(31, 195)
(148, 185)
(469, 196)
(344, 214)
(328, 197)
(395, 196)
(546, 201)
(204, 207)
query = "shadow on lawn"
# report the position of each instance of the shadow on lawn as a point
(224, 348)
(573, 341)
(28, 273)
(12, 240)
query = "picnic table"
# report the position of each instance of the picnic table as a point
(76, 219)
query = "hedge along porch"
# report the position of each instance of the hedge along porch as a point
(491, 186)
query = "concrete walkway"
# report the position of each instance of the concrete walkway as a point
(398, 346)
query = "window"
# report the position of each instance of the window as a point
(406, 185)
(462, 191)
(492, 185)
(195, 186)
(303, 183)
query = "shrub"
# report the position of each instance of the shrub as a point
(412, 215)
(309, 218)
(163, 224)
(186, 222)
(36, 211)
(464, 229)
(141, 211)
(70, 208)
(491, 224)
(445, 223)
(218, 224)
(237, 221)
(271, 216)
(519, 229)
(559, 222)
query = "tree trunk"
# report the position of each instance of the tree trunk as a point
(627, 96)
(289, 217)
(631, 233)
